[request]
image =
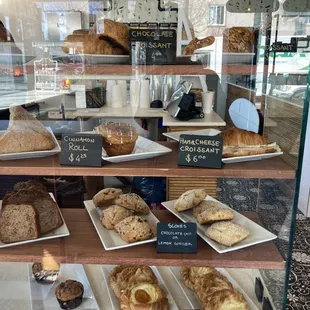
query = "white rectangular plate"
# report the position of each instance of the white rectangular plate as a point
(36, 154)
(144, 149)
(106, 269)
(241, 159)
(109, 238)
(175, 281)
(257, 235)
(213, 132)
(204, 132)
(43, 296)
(237, 58)
(61, 231)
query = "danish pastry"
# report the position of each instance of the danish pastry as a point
(144, 296)
(125, 277)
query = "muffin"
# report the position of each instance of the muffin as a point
(118, 138)
(69, 294)
(48, 271)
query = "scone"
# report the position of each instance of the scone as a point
(106, 197)
(210, 284)
(133, 202)
(227, 233)
(113, 215)
(205, 205)
(125, 277)
(133, 229)
(190, 274)
(225, 300)
(144, 296)
(190, 199)
(215, 214)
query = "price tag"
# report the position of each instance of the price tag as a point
(177, 238)
(200, 151)
(81, 150)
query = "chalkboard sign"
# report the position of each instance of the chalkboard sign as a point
(81, 150)
(284, 47)
(200, 151)
(177, 238)
(153, 46)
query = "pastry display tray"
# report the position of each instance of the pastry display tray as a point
(106, 269)
(144, 149)
(90, 59)
(258, 234)
(61, 231)
(35, 154)
(237, 58)
(212, 132)
(43, 295)
(175, 284)
(109, 238)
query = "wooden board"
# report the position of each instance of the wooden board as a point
(83, 246)
(164, 166)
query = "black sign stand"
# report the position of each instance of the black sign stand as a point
(81, 150)
(177, 238)
(200, 151)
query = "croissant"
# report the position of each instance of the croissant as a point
(239, 142)
(112, 31)
(196, 44)
(91, 44)
(81, 32)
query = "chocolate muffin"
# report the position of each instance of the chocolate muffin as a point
(118, 138)
(69, 294)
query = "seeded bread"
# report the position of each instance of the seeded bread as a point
(25, 134)
(133, 229)
(227, 233)
(105, 197)
(133, 202)
(113, 215)
(190, 199)
(18, 223)
(29, 185)
(49, 217)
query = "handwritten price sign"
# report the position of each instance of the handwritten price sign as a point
(200, 151)
(81, 150)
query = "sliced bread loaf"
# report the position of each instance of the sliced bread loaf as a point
(49, 217)
(29, 185)
(18, 223)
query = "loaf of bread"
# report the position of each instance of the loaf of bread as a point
(45, 206)
(239, 142)
(18, 223)
(25, 134)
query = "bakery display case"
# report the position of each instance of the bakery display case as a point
(150, 152)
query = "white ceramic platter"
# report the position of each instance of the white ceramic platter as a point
(36, 154)
(109, 238)
(172, 274)
(204, 132)
(144, 149)
(43, 296)
(59, 232)
(106, 269)
(258, 234)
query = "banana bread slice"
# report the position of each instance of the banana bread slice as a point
(18, 223)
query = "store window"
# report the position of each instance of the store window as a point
(217, 15)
